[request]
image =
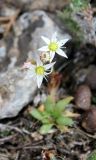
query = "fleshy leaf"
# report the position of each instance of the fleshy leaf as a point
(36, 114)
(60, 106)
(46, 117)
(65, 121)
(49, 104)
(45, 128)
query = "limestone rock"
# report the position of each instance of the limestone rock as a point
(16, 91)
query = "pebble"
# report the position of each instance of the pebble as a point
(83, 97)
(89, 120)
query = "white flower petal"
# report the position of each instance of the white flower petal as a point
(52, 54)
(54, 37)
(39, 80)
(44, 48)
(45, 39)
(61, 53)
(48, 66)
(62, 42)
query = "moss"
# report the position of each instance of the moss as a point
(78, 5)
(92, 156)
(71, 25)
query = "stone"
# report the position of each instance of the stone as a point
(16, 91)
(83, 97)
(46, 27)
(49, 5)
(37, 23)
(91, 77)
(89, 120)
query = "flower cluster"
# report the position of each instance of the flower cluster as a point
(44, 64)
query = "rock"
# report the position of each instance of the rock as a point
(15, 92)
(89, 120)
(87, 24)
(83, 97)
(26, 38)
(37, 23)
(49, 5)
(91, 77)
(46, 27)
(2, 50)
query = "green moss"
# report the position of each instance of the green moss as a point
(78, 5)
(92, 156)
(71, 24)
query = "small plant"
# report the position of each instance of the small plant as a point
(54, 114)
(92, 156)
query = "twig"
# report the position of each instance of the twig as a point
(21, 131)
(5, 139)
(86, 134)
(17, 155)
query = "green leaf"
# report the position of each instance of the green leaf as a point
(46, 117)
(49, 104)
(45, 128)
(36, 114)
(65, 121)
(63, 103)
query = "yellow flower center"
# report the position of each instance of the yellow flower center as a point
(53, 46)
(40, 70)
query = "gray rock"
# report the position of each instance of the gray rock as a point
(37, 23)
(46, 27)
(50, 5)
(88, 27)
(16, 91)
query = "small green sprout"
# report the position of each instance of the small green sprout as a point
(54, 114)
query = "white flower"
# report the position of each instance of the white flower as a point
(54, 46)
(38, 71)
